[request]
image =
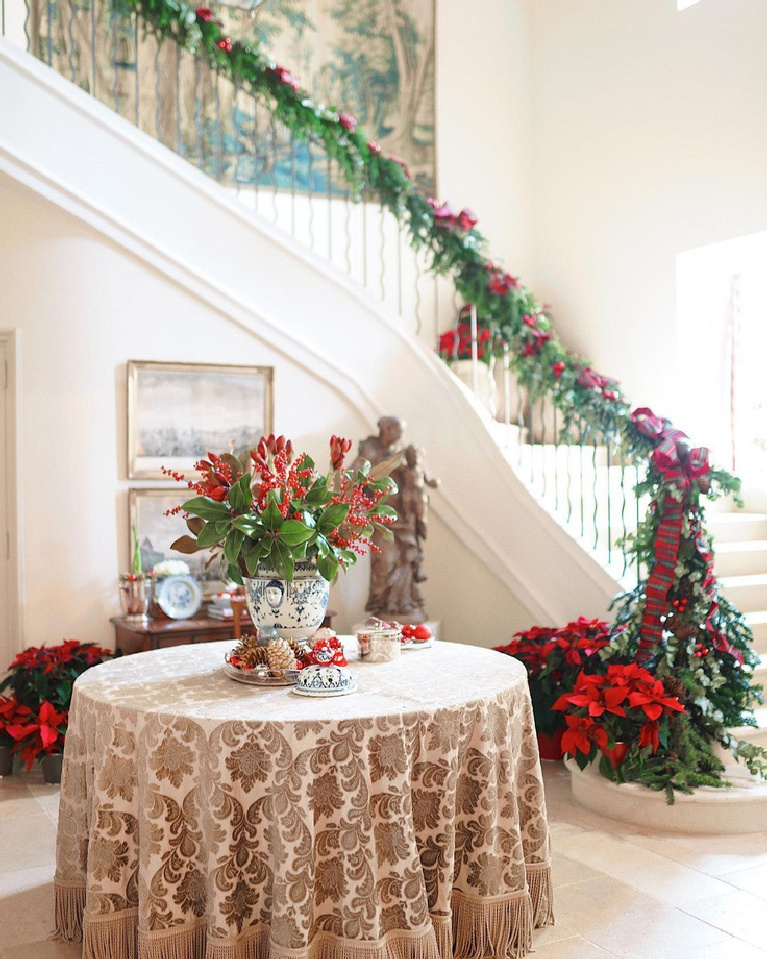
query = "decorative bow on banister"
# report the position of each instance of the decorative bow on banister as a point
(679, 467)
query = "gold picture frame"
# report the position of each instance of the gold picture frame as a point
(147, 508)
(179, 411)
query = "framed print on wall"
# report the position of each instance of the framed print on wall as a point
(156, 532)
(179, 411)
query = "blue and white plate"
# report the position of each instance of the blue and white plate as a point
(179, 597)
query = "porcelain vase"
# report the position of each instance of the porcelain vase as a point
(295, 608)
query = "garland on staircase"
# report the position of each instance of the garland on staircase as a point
(676, 623)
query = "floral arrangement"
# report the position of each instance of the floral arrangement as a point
(554, 658)
(33, 718)
(272, 508)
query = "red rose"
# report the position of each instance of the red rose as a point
(374, 148)
(348, 122)
(558, 369)
(529, 320)
(204, 13)
(444, 216)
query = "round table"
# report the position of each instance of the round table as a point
(202, 818)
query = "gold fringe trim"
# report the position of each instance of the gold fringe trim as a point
(255, 944)
(443, 930)
(111, 936)
(541, 893)
(175, 942)
(69, 905)
(501, 927)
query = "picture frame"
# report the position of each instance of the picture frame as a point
(156, 532)
(179, 411)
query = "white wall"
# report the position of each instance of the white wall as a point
(484, 119)
(82, 307)
(650, 137)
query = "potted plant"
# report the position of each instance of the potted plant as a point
(554, 658)
(34, 716)
(136, 587)
(12, 713)
(621, 713)
(285, 528)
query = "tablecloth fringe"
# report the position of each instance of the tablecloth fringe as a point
(443, 930)
(69, 904)
(111, 935)
(399, 944)
(541, 893)
(492, 927)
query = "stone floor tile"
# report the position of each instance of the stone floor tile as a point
(574, 947)
(731, 949)
(753, 880)
(45, 950)
(618, 918)
(738, 913)
(27, 841)
(644, 870)
(26, 905)
(714, 855)
(566, 869)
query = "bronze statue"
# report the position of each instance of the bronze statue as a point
(397, 570)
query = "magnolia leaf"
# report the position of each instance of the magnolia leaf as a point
(207, 508)
(195, 524)
(233, 545)
(293, 532)
(332, 517)
(272, 517)
(209, 536)
(327, 566)
(282, 558)
(185, 544)
(233, 572)
(383, 469)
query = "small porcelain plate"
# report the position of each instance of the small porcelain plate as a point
(426, 644)
(323, 693)
(179, 597)
(254, 678)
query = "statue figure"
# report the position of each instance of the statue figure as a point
(397, 570)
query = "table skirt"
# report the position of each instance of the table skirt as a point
(419, 836)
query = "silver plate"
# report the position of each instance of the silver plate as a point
(252, 678)
(426, 644)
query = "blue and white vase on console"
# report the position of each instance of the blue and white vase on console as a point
(295, 608)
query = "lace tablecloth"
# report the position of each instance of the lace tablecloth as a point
(204, 819)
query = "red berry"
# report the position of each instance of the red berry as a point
(422, 632)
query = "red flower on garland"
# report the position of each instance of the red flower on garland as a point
(499, 282)
(533, 346)
(285, 76)
(558, 369)
(374, 148)
(204, 14)
(348, 122)
(225, 43)
(400, 162)
(467, 220)
(456, 344)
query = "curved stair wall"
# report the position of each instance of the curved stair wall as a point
(189, 233)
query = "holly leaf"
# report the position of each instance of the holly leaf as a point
(332, 517)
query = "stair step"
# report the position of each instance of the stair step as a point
(760, 673)
(748, 593)
(736, 527)
(754, 734)
(742, 558)
(758, 623)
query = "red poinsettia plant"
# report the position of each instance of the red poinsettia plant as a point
(273, 508)
(554, 658)
(33, 716)
(626, 705)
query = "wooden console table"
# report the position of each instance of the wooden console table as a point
(159, 633)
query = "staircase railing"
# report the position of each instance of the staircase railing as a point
(182, 76)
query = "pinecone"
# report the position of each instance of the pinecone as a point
(300, 648)
(686, 630)
(674, 686)
(280, 656)
(251, 653)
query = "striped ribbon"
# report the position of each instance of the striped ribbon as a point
(678, 465)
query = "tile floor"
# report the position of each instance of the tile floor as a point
(620, 891)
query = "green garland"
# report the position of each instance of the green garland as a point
(717, 687)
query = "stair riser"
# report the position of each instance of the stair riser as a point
(727, 530)
(747, 598)
(755, 735)
(739, 563)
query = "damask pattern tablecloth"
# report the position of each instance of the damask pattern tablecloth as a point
(205, 819)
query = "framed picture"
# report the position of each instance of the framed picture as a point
(179, 411)
(156, 531)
